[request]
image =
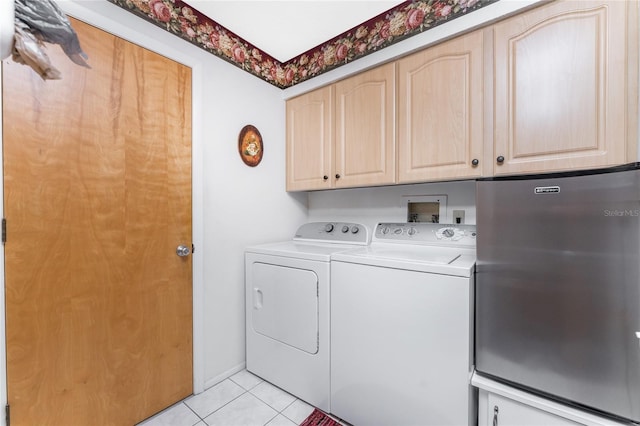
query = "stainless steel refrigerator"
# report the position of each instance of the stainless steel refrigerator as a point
(558, 286)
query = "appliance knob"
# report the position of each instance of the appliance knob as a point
(345, 229)
(500, 159)
(412, 231)
(448, 232)
(385, 230)
(397, 231)
(328, 227)
(475, 162)
(355, 230)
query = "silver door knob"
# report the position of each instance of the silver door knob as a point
(183, 251)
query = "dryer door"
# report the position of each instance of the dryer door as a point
(285, 305)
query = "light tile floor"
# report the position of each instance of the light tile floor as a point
(241, 400)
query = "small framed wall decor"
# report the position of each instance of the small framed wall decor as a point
(250, 145)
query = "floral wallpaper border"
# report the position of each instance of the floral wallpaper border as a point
(405, 20)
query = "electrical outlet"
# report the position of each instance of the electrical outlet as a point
(458, 217)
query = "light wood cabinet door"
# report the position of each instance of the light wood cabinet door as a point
(310, 141)
(566, 87)
(440, 111)
(365, 129)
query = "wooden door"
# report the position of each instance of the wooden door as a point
(309, 140)
(365, 128)
(97, 187)
(566, 87)
(440, 111)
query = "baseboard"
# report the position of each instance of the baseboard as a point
(223, 376)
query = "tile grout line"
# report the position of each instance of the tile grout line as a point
(222, 406)
(252, 394)
(197, 415)
(278, 412)
(274, 409)
(265, 402)
(245, 389)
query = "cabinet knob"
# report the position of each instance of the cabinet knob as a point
(475, 162)
(325, 177)
(337, 176)
(500, 159)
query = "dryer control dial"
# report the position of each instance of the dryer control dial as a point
(328, 227)
(452, 234)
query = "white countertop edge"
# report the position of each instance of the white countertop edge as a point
(543, 404)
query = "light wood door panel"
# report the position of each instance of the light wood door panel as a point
(310, 140)
(440, 111)
(97, 187)
(561, 85)
(365, 128)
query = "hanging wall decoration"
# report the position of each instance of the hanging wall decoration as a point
(250, 145)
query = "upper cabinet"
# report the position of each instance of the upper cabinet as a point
(310, 140)
(440, 111)
(565, 89)
(343, 135)
(552, 89)
(365, 129)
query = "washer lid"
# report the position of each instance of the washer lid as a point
(301, 250)
(432, 259)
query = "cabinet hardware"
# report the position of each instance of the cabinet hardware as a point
(495, 415)
(475, 162)
(500, 159)
(325, 177)
(337, 176)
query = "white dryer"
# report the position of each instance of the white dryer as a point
(402, 327)
(287, 307)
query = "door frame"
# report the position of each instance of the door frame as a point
(110, 18)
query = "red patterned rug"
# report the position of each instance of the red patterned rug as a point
(318, 418)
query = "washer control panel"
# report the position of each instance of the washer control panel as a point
(426, 233)
(339, 232)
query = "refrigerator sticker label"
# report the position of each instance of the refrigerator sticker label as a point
(622, 213)
(546, 189)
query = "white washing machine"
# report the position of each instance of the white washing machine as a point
(402, 327)
(287, 307)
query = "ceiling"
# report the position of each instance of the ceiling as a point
(286, 29)
(287, 42)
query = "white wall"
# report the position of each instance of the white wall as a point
(243, 205)
(388, 203)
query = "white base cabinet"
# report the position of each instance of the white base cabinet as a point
(497, 410)
(501, 405)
